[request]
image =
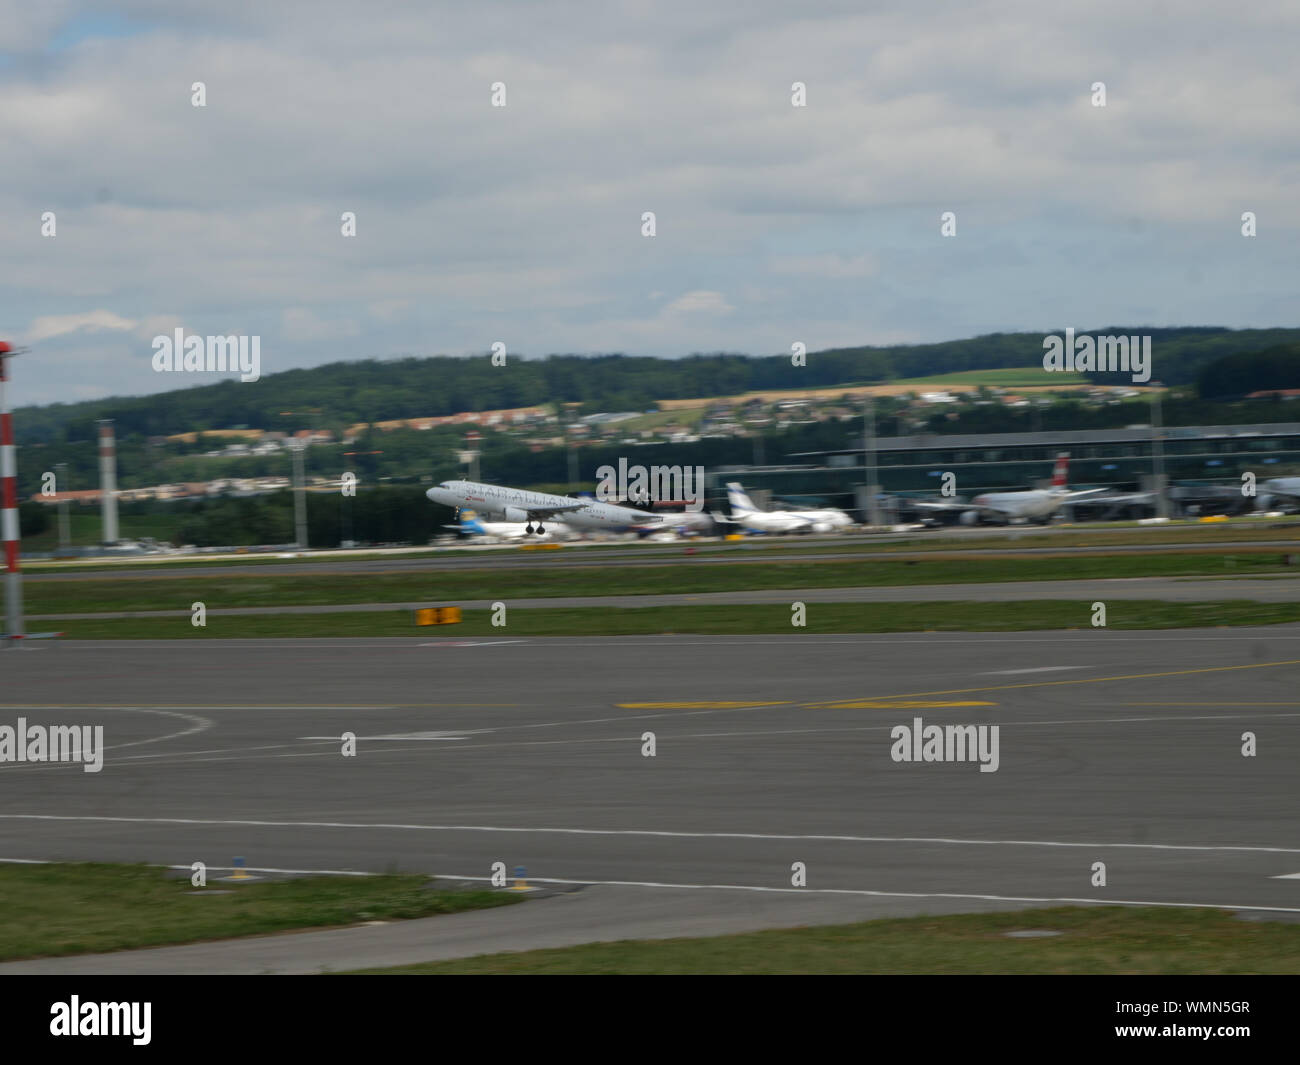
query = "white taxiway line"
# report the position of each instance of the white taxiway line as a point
(773, 837)
(886, 894)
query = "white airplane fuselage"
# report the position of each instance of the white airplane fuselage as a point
(522, 505)
(1279, 492)
(1035, 505)
(833, 519)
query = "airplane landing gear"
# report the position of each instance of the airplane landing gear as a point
(528, 529)
(541, 530)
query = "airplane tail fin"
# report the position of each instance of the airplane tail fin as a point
(740, 502)
(1061, 471)
(469, 521)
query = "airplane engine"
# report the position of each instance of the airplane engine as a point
(969, 517)
(515, 514)
(822, 527)
(1263, 501)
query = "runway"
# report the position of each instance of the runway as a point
(1117, 747)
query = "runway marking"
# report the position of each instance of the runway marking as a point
(247, 706)
(1035, 669)
(201, 724)
(886, 894)
(899, 704)
(243, 754)
(467, 643)
(191, 757)
(215, 868)
(695, 706)
(1080, 680)
(1293, 702)
(729, 887)
(774, 837)
(400, 736)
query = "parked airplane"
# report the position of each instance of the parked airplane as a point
(831, 517)
(1279, 493)
(1013, 508)
(470, 524)
(521, 505)
(680, 522)
(743, 512)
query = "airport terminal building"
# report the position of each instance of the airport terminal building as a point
(1119, 459)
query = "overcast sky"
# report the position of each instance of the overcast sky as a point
(522, 224)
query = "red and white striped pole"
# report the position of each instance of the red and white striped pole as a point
(9, 507)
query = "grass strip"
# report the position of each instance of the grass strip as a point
(716, 619)
(92, 907)
(1093, 940)
(92, 594)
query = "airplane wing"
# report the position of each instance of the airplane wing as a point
(542, 513)
(928, 504)
(1122, 497)
(1286, 495)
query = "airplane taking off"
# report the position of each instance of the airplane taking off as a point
(521, 505)
(743, 512)
(470, 524)
(1013, 508)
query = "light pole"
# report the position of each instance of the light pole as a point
(299, 499)
(1158, 452)
(472, 438)
(569, 432)
(65, 538)
(346, 504)
(869, 458)
(298, 446)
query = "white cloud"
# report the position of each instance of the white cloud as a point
(56, 325)
(701, 301)
(523, 223)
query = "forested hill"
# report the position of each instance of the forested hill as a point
(374, 390)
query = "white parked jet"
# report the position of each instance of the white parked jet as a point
(521, 505)
(825, 520)
(470, 524)
(1279, 493)
(1010, 508)
(744, 513)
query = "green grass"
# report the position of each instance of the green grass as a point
(713, 619)
(99, 594)
(1009, 377)
(86, 529)
(688, 417)
(87, 907)
(1094, 940)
